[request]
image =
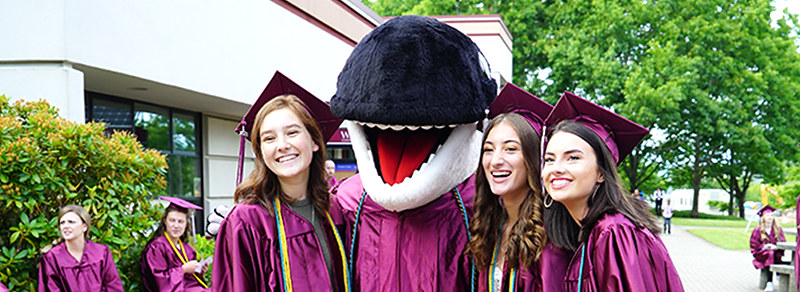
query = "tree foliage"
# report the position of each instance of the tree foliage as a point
(49, 162)
(716, 80)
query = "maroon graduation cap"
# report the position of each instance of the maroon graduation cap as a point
(180, 204)
(281, 85)
(766, 208)
(513, 99)
(620, 134)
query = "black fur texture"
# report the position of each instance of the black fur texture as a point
(414, 70)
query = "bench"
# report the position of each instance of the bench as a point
(787, 277)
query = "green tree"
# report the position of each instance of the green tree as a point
(49, 162)
(714, 79)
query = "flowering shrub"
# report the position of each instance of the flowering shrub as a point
(48, 162)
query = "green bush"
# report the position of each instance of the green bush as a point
(719, 205)
(48, 162)
(205, 248)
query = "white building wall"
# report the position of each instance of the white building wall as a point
(682, 199)
(58, 83)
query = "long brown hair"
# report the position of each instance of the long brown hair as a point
(162, 226)
(776, 229)
(262, 185)
(610, 197)
(527, 239)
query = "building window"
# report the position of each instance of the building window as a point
(173, 132)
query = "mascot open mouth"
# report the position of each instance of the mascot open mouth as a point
(402, 150)
(404, 167)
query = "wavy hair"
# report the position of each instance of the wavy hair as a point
(609, 198)
(527, 239)
(262, 185)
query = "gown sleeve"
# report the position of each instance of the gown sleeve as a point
(760, 255)
(632, 260)
(48, 277)
(165, 278)
(237, 254)
(111, 280)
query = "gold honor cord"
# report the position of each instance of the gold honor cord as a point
(287, 282)
(512, 278)
(184, 258)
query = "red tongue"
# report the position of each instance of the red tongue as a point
(400, 154)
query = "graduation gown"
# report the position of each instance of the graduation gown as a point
(59, 271)
(162, 270)
(421, 249)
(247, 257)
(622, 257)
(763, 258)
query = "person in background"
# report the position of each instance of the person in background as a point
(614, 235)
(763, 242)
(330, 170)
(283, 234)
(77, 264)
(659, 197)
(638, 194)
(169, 263)
(667, 214)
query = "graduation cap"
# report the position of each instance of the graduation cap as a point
(620, 134)
(282, 85)
(513, 99)
(765, 209)
(180, 204)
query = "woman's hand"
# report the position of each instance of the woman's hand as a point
(189, 267)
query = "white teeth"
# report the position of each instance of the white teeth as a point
(560, 182)
(404, 127)
(286, 158)
(501, 173)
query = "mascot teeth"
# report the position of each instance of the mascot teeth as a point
(404, 127)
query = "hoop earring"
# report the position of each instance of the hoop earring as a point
(546, 204)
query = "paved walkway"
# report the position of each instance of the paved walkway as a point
(706, 267)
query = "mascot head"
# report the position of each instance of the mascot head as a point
(414, 91)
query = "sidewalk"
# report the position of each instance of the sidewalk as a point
(707, 267)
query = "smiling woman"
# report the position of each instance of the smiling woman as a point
(283, 234)
(588, 211)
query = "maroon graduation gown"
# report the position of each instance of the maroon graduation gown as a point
(59, 271)
(763, 258)
(622, 257)
(247, 257)
(162, 270)
(421, 249)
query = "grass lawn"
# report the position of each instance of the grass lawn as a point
(712, 222)
(729, 238)
(725, 233)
